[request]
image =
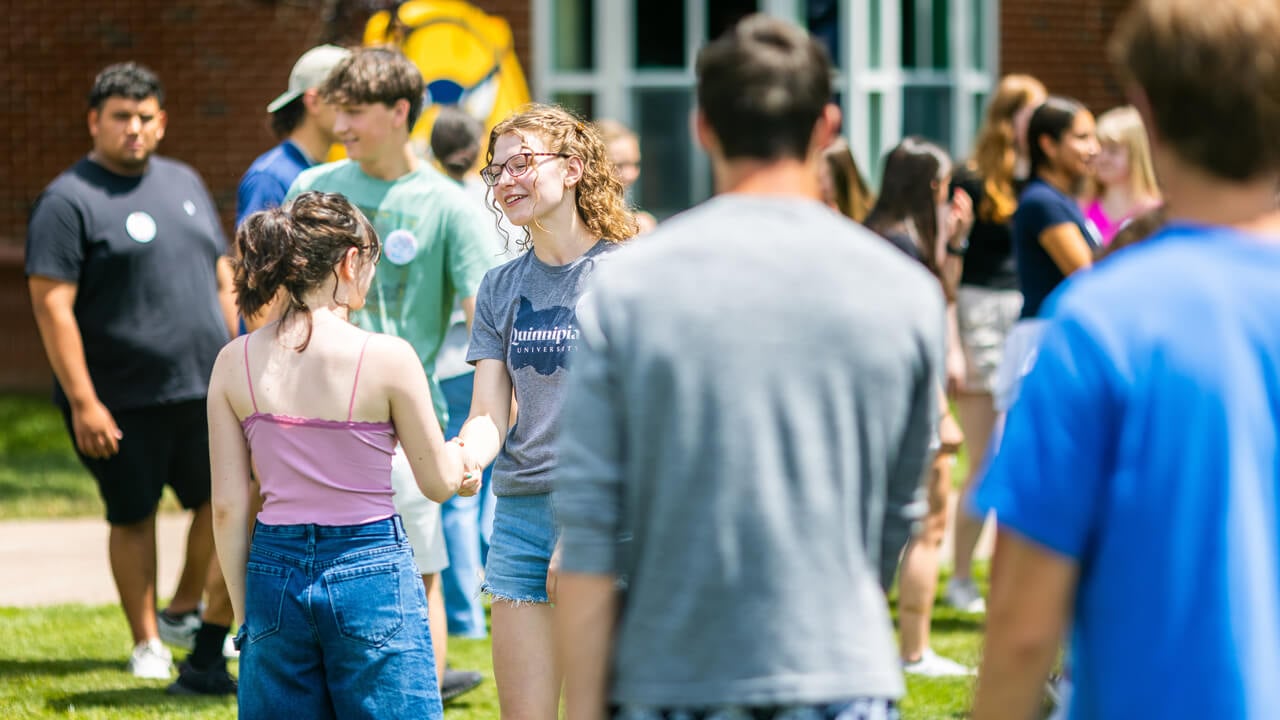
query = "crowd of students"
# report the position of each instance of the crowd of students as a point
(714, 443)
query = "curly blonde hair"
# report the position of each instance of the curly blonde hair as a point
(599, 196)
(994, 155)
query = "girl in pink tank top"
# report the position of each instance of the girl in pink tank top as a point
(331, 611)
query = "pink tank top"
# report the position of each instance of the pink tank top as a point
(322, 472)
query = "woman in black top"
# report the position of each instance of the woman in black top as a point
(988, 300)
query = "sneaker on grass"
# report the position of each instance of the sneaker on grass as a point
(458, 682)
(179, 630)
(213, 681)
(151, 660)
(932, 664)
(963, 595)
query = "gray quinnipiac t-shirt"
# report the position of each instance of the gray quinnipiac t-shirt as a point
(752, 404)
(526, 316)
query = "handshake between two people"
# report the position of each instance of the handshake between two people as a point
(464, 463)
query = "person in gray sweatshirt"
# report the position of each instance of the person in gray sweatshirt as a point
(748, 420)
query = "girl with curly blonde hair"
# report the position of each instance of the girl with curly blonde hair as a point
(550, 173)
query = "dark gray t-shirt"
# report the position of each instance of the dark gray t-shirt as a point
(526, 316)
(143, 252)
(752, 403)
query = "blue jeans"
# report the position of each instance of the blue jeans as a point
(335, 625)
(467, 523)
(524, 536)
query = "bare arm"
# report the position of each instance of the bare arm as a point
(486, 428)
(585, 613)
(436, 465)
(95, 430)
(1067, 247)
(230, 470)
(227, 295)
(1028, 611)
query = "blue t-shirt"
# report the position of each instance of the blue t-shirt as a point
(267, 180)
(1040, 207)
(1145, 447)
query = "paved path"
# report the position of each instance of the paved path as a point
(48, 562)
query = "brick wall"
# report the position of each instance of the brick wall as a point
(221, 62)
(1063, 42)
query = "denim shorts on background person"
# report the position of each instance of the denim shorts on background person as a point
(335, 625)
(524, 536)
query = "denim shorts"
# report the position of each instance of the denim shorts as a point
(858, 709)
(524, 536)
(335, 625)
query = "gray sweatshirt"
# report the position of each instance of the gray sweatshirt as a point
(751, 411)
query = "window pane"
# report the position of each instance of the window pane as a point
(662, 122)
(978, 34)
(926, 111)
(874, 134)
(941, 38)
(908, 33)
(573, 46)
(723, 14)
(823, 17)
(582, 103)
(873, 23)
(660, 33)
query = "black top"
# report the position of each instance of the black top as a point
(1040, 207)
(142, 251)
(989, 261)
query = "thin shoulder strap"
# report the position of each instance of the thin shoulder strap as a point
(249, 378)
(351, 405)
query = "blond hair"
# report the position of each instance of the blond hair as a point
(994, 154)
(599, 196)
(1123, 126)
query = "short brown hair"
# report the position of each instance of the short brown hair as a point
(376, 75)
(762, 86)
(1211, 73)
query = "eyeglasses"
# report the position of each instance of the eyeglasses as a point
(516, 165)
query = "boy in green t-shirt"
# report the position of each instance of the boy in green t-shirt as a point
(435, 249)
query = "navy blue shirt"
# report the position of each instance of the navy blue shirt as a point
(267, 180)
(1040, 207)
(1144, 447)
(143, 252)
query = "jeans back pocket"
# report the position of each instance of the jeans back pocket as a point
(264, 590)
(366, 601)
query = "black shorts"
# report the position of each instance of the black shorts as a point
(162, 445)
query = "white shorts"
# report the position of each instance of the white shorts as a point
(985, 317)
(421, 517)
(1020, 350)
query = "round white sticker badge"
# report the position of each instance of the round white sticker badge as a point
(189, 207)
(140, 226)
(400, 247)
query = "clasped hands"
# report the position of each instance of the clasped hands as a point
(471, 468)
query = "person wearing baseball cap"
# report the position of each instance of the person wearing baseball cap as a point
(303, 122)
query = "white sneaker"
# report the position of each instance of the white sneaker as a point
(963, 595)
(931, 664)
(179, 631)
(151, 660)
(229, 650)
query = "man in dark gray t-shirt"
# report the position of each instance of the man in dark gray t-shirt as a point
(751, 410)
(130, 284)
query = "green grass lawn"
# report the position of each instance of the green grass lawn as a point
(68, 661)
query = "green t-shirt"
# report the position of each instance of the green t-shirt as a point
(435, 248)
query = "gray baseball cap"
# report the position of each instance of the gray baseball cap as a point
(310, 70)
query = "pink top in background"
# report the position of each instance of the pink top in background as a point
(322, 472)
(1107, 228)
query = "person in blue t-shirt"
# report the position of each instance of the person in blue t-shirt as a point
(303, 122)
(1137, 483)
(1051, 238)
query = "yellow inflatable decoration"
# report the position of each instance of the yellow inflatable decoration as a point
(466, 56)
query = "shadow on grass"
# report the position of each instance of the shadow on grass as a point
(136, 697)
(57, 668)
(957, 623)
